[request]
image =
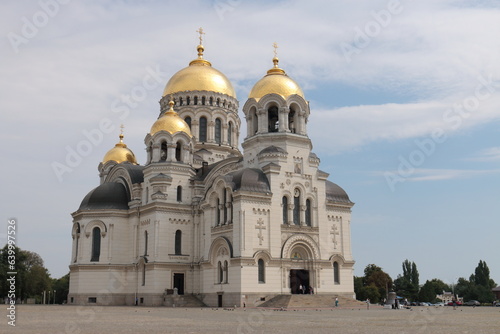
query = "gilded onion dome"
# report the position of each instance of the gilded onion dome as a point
(120, 153)
(276, 81)
(170, 122)
(199, 75)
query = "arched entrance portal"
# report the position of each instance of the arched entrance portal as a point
(300, 280)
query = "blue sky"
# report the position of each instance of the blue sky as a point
(404, 95)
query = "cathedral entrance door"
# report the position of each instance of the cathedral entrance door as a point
(179, 283)
(299, 277)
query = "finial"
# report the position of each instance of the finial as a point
(275, 59)
(201, 32)
(200, 47)
(121, 133)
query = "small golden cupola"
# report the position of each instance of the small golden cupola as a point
(170, 122)
(276, 81)
(120, 153)
(199, 76)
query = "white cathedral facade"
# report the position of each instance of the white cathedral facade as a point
(202, 218)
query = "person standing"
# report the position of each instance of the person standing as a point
(336, 302)
(367, 303)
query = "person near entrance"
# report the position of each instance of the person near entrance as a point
(336, 302)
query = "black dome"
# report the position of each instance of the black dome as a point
(110, 195)
(250, 179)
(335, 193)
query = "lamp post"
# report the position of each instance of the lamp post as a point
(54, 297)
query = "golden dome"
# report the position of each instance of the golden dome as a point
(170, 122)
(275, 82)
(120, 153)
(199, 75)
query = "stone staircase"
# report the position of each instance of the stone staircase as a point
(182, 301)
(277, 301)
(311, 301)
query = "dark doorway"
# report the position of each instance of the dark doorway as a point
(299, 277)
(219, 300)
(179, 283)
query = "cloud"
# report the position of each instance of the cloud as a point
(487, 154)
(422, 174)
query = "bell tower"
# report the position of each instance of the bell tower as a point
(276, 113)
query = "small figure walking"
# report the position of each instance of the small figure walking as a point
(301, 289)
(336, 302)
(367, 303)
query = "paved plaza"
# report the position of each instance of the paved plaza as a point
(32, 319)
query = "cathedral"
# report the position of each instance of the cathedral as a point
(204, 219)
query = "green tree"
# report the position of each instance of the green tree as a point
(406, 285)
(61, 286)
(369, 292)
(374, 278)
(427, 293)
(32, 277)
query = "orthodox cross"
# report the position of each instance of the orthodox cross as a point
(275, 46)
(260, 226)
(334, 232)
(201, 32)
(121, 128)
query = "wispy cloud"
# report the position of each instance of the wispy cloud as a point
(487, 154)
(423, 174)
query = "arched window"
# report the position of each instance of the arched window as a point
(180, 101)
(196, 100)
(188, 121)
(336, 274)
(164, 150)
(143, 274)
(262, 271)
(284, 203)
(226, 270)
(220, 273)
(203, 99)
(272, 116)
(178, 242)
(308, 212)
(225, 206)
(145, 243)
(296, 207)
(230, 133)
(291, 119)
(217, 212)
(255, 121)
(96, 244)
(211, 101)
(218, 128)
(231, 209)
(178, 151)
(203, 129)
(188, 100)
(179, 194)
(77, 239)
(218, 102)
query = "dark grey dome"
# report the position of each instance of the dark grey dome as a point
(110, 195)
(249, 179)
(272, 149)
(335, 193)
(134, 171)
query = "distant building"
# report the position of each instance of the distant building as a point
(496, 291)
(204, 219)
(447, 297)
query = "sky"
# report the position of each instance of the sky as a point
(404, 98)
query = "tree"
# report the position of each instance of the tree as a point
(482, 275)
(32, 277)
(374, 279)
(427, 293)
(61, 286)
(407, 284)
(369, 292)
